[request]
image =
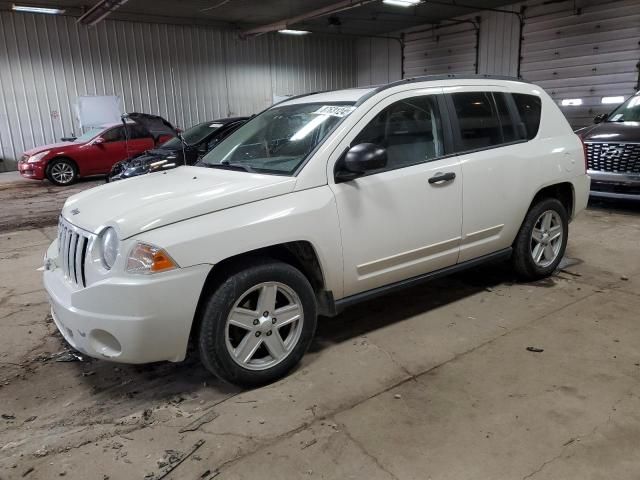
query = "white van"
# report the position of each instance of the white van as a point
(316, 203)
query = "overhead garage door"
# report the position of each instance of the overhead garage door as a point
(582, 54)
(441, 50)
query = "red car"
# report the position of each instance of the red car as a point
(92, 153)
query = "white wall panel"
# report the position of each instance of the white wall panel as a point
(440, 50)
(185, 73)
(499, 41)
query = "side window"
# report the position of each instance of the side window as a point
(114, 135)
(478, 120)
(409, 129)
(529, 108)
(506, 121)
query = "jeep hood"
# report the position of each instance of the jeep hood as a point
(151, 201)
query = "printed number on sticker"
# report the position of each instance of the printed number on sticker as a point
(336, 111)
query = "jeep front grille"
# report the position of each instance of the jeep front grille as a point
(73, 245)
(614, 157)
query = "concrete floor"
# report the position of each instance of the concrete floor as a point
(430, 383)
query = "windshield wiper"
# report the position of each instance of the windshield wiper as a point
(229, 166)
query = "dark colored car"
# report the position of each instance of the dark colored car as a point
(613, 152)
(185, 149)
(95, 152)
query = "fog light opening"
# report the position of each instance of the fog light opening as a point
(105, 344)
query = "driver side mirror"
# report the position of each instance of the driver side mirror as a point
(98, 141)
(359, 160)
(600, 118)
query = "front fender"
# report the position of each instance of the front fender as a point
(308, 215)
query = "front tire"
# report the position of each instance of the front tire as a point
(542, 240)
(257, 324)
(62, 172)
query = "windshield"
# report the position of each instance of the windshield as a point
(278, 140)
(88, 135)
(194, 135)
(629, 111)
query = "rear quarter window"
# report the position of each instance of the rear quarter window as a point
(529, 107)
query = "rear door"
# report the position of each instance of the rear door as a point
(495, 173)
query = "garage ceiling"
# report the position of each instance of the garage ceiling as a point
(374, 18)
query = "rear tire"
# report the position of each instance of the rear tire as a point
(62, 172)
(257, 324)
(542, 240)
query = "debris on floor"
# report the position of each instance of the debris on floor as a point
(535, 349)
(172, 459)
(198, 422)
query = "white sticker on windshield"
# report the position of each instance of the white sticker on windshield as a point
(335, 110)
(215, 125)
(616, 117)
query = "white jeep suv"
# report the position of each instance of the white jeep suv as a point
(316, 203)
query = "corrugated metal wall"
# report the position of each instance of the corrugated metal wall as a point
(187, 74)
(585, 53)
(378, 61)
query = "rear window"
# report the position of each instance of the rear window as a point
(529, 108)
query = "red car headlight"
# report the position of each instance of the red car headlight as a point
(37, 157)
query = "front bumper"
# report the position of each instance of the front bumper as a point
(34, 171)
(127, 319)
(625, 186)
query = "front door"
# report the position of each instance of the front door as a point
(112, 149)
(404, 219)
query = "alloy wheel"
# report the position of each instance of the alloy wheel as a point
(62, 172)
(546, 238)
(264, 326)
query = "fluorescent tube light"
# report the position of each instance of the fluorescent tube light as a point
(571, 102)
(618, 99)
(293, 32)
(32, 9)
(402, 3)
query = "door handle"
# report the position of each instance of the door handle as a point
(440, 178)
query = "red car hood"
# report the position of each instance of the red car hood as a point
(50, 146)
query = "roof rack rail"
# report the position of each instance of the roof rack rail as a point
(428, 78)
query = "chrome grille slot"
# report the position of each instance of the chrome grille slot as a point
(73, 245)
(614, 157)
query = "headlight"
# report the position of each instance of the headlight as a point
(109, 247)
(37, 157)
(145, 258)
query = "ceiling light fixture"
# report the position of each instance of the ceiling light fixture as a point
(402, 3)
(288, 31)
(571, 102)
(32, 9)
